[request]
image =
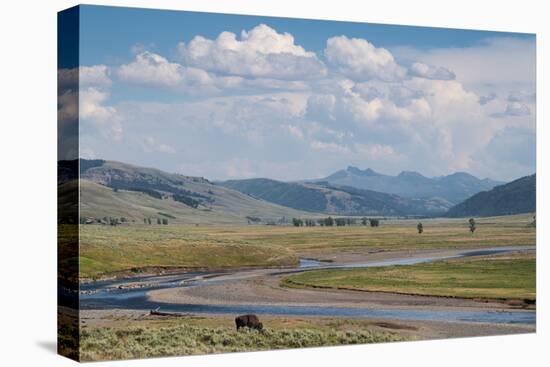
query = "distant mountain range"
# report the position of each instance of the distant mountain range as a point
(516, 197)
(453, 188)
(116, 189)
(338, 200)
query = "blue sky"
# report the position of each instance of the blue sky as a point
(109, 32)
(228, 96)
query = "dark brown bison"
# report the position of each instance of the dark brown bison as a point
(249, 321)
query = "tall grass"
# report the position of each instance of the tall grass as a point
(142, 342)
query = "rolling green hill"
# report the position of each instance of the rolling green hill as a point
(516, 197)
(114, 189)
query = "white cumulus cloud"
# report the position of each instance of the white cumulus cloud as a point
(92, 108)
(84, 76)
(359, 59)
(260, 52)
(151, 69)
(259, 90)
(95, 75)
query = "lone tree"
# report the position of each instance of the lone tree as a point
(420, 228)
(329, 222)
(374, 222)
(472, 223)
(364, 221)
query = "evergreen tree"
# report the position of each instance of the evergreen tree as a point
(472, 224)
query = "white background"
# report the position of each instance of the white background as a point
(28, 182)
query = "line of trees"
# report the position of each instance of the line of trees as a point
(159, 221)
(113, 221)
(330, 221)
(349, 221)
(187, 200)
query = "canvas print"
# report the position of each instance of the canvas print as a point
(235, 183)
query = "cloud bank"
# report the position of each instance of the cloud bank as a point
(261, 104)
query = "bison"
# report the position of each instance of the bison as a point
(249, 321)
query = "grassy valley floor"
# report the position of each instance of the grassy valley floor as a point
(121, 334)
(110, 250)
(504, 277)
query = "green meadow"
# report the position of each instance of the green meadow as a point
(106, 250)
(509, 277)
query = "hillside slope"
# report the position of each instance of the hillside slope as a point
(516, 197)
(116, 189)
(338, 200)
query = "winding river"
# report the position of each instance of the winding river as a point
(124, 294)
